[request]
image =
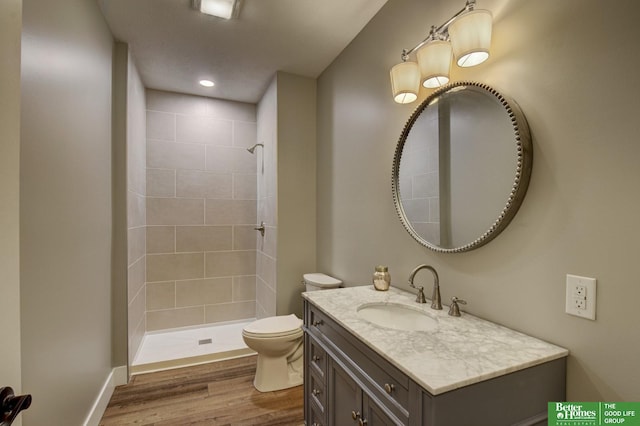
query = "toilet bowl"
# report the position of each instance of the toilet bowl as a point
(278, 342)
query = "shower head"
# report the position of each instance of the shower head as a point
(253, 148)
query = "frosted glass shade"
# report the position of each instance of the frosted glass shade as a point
(470, 35)
(434, 60)
(405, 82)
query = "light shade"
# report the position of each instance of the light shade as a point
(434, 60)
(405, 82)
(219, 8)
(470, 35)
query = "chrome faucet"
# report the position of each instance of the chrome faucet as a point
(435, 297)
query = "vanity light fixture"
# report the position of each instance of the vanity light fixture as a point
(226, 9)
(466, 35)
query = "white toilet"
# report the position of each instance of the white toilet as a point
(278, 342)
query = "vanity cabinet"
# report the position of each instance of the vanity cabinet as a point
(348, 383)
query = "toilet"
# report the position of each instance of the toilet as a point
(278, 342)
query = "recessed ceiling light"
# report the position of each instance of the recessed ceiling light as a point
(226, 9)
(207, 83)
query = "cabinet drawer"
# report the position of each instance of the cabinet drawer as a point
(317, 358)
(317, 392)
(317, 417)
(387, 381)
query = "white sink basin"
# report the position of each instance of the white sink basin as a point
(397, 317)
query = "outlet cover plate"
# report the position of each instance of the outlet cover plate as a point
(580, 297)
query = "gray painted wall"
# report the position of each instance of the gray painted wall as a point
(10, 28)
(65, 208)
(578, 90)
(296, 188)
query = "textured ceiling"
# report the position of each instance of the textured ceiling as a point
(174, 46)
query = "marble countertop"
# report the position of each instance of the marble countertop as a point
(461, 351)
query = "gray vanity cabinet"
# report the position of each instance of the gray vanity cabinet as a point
(347, 383)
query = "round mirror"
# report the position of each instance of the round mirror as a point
(461, 167)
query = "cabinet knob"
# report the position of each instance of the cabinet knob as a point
(355, 415)
(315, 358)
(362, 422)
(316, 392)
(389, 388)
(317, 322)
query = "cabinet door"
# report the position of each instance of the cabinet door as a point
(345, 397)
(374, 415)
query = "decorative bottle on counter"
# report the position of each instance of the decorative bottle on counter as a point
(381, 278)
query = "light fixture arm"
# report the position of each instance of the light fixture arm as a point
(440, 32)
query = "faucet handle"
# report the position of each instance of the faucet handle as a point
(420, 296)
(454, 309)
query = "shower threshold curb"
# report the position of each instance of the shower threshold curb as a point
(189, 361)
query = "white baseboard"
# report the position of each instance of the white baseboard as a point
(117, 377)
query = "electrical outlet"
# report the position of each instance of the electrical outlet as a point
(581, 296)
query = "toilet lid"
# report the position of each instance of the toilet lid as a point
(321, 280)
(278, 325)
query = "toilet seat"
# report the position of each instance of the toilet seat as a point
(278, 326)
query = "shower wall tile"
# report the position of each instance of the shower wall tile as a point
(204, 130)
(265, 298)
(230, 311)
(175, 211)
(230, 263)
(136, 244)
(161, 295)
(135, 209)
(244, 288)
(244, 133)
(161, 125)
(136, 319)
(237, 111)
(203, 238)
(173, 318)
(135, 278)
(230, 159)
(266, 270)
(171, 155)
(268, 243)
(176, 102)
(230, 212)
(169, 267)
(161, 183)
(244, 237)
(245, 186)
(207, 291)
(136, 334)
(161, 239)
(198, 184)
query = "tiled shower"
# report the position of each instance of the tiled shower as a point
(200, 210)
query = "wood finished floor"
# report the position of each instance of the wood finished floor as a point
(219, 393)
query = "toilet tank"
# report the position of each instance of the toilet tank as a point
(318, 281)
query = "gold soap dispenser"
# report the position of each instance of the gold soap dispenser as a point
(381, 278)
